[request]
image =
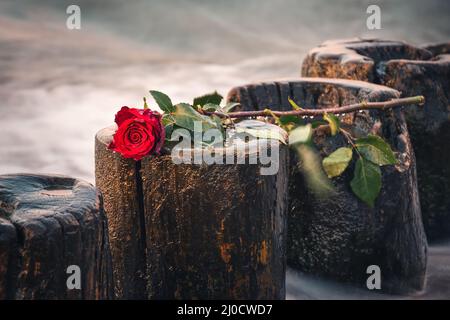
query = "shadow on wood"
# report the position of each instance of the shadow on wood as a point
(340, 237)
(48, 223)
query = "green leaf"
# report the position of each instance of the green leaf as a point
(163, 101)
(211, 107)
(262, 130)
(337, 162)
(168, 131)
(218, 121)
(333, 121)
(294, 105)
(366, 182)
(229, 107)
(315, 178)
(289, 119)
(289, 122)
(301, 134)
(375, 149)
(167, 119)
(214, 98)
(318, 123)
(185, 116)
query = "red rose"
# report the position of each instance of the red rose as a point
(139, 133)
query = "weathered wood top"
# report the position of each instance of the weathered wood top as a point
(437, 48)
(367, 51)
(48, 223)
(311, 92)
(28, 196)
(245, 148)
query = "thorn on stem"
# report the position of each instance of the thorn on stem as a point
(145, 103)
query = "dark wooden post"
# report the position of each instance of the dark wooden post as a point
(117, 178)
(200, 231)
(48, 223)
(340, 237)
(412, 71)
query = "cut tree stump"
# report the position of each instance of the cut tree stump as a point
(412, 71)
(191, 231)
(340, 236)
(48, 223)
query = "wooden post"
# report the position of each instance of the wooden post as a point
(48, 223)
(117, 179)
(412, 71)
(198, 231)
(340, 237)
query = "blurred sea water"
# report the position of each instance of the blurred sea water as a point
(59, 86)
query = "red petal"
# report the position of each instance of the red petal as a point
(127, 113)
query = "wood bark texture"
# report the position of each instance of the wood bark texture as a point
(339, 237)
(412, 71)
(194, 231)
(48, 223)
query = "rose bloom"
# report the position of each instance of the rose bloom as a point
(139, 133)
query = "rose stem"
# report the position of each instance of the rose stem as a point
(419, 100)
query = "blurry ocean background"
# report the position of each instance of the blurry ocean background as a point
(58, 87)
